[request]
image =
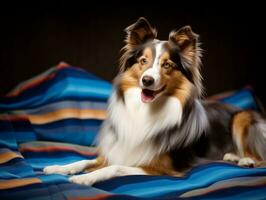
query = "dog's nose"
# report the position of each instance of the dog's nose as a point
(147, 81)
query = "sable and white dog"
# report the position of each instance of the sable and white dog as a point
(157, 122)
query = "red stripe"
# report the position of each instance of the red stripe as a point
(97, 197)
(15, 118)
(37, 81)
(31, 84)
(53, 148)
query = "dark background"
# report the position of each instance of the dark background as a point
(35, 37)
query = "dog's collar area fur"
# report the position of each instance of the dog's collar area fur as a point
(155, 128)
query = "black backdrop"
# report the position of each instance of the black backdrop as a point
(36, 37)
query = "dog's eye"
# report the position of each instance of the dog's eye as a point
(166, 65)
(143, 61)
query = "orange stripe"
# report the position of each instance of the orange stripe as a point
(67, 113)
(58, 115)
(51, 149)
(62, 65)
(7, 156)
(18, 182)
(97, 197)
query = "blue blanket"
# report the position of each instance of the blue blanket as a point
(54, 117)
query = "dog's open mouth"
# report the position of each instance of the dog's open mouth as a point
(148, 95)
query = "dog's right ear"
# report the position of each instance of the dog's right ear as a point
(184, 38)
(140, 32)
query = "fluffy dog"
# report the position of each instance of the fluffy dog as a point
(157, 122)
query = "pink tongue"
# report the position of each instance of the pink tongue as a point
(145, 98)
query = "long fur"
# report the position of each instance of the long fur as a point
(129, 142)
(163, 126)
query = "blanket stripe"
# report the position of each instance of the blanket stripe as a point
(18, 182)
(66, 113)
(243, 182)
(8, 155)
(154, 187)
(66, 84)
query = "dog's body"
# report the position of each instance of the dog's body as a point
(158, 124)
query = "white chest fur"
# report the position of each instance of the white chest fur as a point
(134, 124)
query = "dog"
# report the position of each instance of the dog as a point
(158, 122)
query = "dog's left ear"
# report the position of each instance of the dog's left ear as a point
(140, 32)
(190, 53)
(184, 38)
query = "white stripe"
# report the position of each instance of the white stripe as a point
(154, 71)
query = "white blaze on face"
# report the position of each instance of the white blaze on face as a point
(154, 71)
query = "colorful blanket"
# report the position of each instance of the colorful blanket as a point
(54, 117)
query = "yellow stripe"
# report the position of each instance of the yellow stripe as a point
(18, 182)
(67, 113)
(5, 157)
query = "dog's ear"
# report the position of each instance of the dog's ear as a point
(140, 32)
(188, 45)
(184, 38)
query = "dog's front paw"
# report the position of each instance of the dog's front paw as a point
(231, 157)
(57, 169)
(84, 179)
(246, 162)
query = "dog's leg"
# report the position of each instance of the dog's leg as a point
(159, 166)
(163, 165)
(106, 173)
(240, 127)
(73, 168)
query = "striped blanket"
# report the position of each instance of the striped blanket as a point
(54, 117)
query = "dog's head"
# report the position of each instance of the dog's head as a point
(160, 68)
